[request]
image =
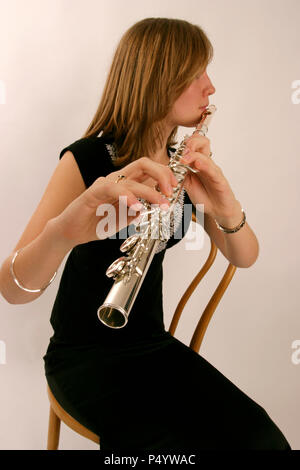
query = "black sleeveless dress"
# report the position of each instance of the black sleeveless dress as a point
(138, 387)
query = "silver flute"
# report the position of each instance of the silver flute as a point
(129, 271)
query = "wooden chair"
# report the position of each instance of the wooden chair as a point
(58, 414)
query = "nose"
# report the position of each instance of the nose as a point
(210, 89)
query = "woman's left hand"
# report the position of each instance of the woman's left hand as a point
(209, 186)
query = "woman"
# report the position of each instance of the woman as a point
(122, 383)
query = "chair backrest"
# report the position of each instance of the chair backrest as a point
(209, 310)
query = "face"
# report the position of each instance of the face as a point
(188, 108)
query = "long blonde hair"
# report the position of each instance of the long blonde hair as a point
(156, 59)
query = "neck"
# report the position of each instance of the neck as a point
(161, 154)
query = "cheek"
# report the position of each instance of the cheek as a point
(185, 101)
(191, 96)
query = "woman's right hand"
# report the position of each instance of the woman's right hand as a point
(77, 224)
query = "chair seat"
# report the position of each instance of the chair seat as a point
(57, 414)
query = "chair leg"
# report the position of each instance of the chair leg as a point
(53, 431)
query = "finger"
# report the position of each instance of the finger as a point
(101, 192)
(198, 143)
(110, 192)
(145, 167)
(143, 191)
(192, 156)
(200, 162)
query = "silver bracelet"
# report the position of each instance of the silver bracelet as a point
(18, 282)
(235, 229)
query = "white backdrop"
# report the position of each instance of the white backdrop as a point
(54, 57)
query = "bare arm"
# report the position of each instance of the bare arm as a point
(241, 248)
(43, 248)
(66, 216)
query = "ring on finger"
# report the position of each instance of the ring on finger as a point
(119, 178)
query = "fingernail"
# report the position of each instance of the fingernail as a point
(187, 157)
(163, 200)
(164, 207)
(137, 206)
(169, 190)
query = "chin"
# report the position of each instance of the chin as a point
(193, 123)
(195, 120)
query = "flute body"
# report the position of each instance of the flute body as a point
(129, 271)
